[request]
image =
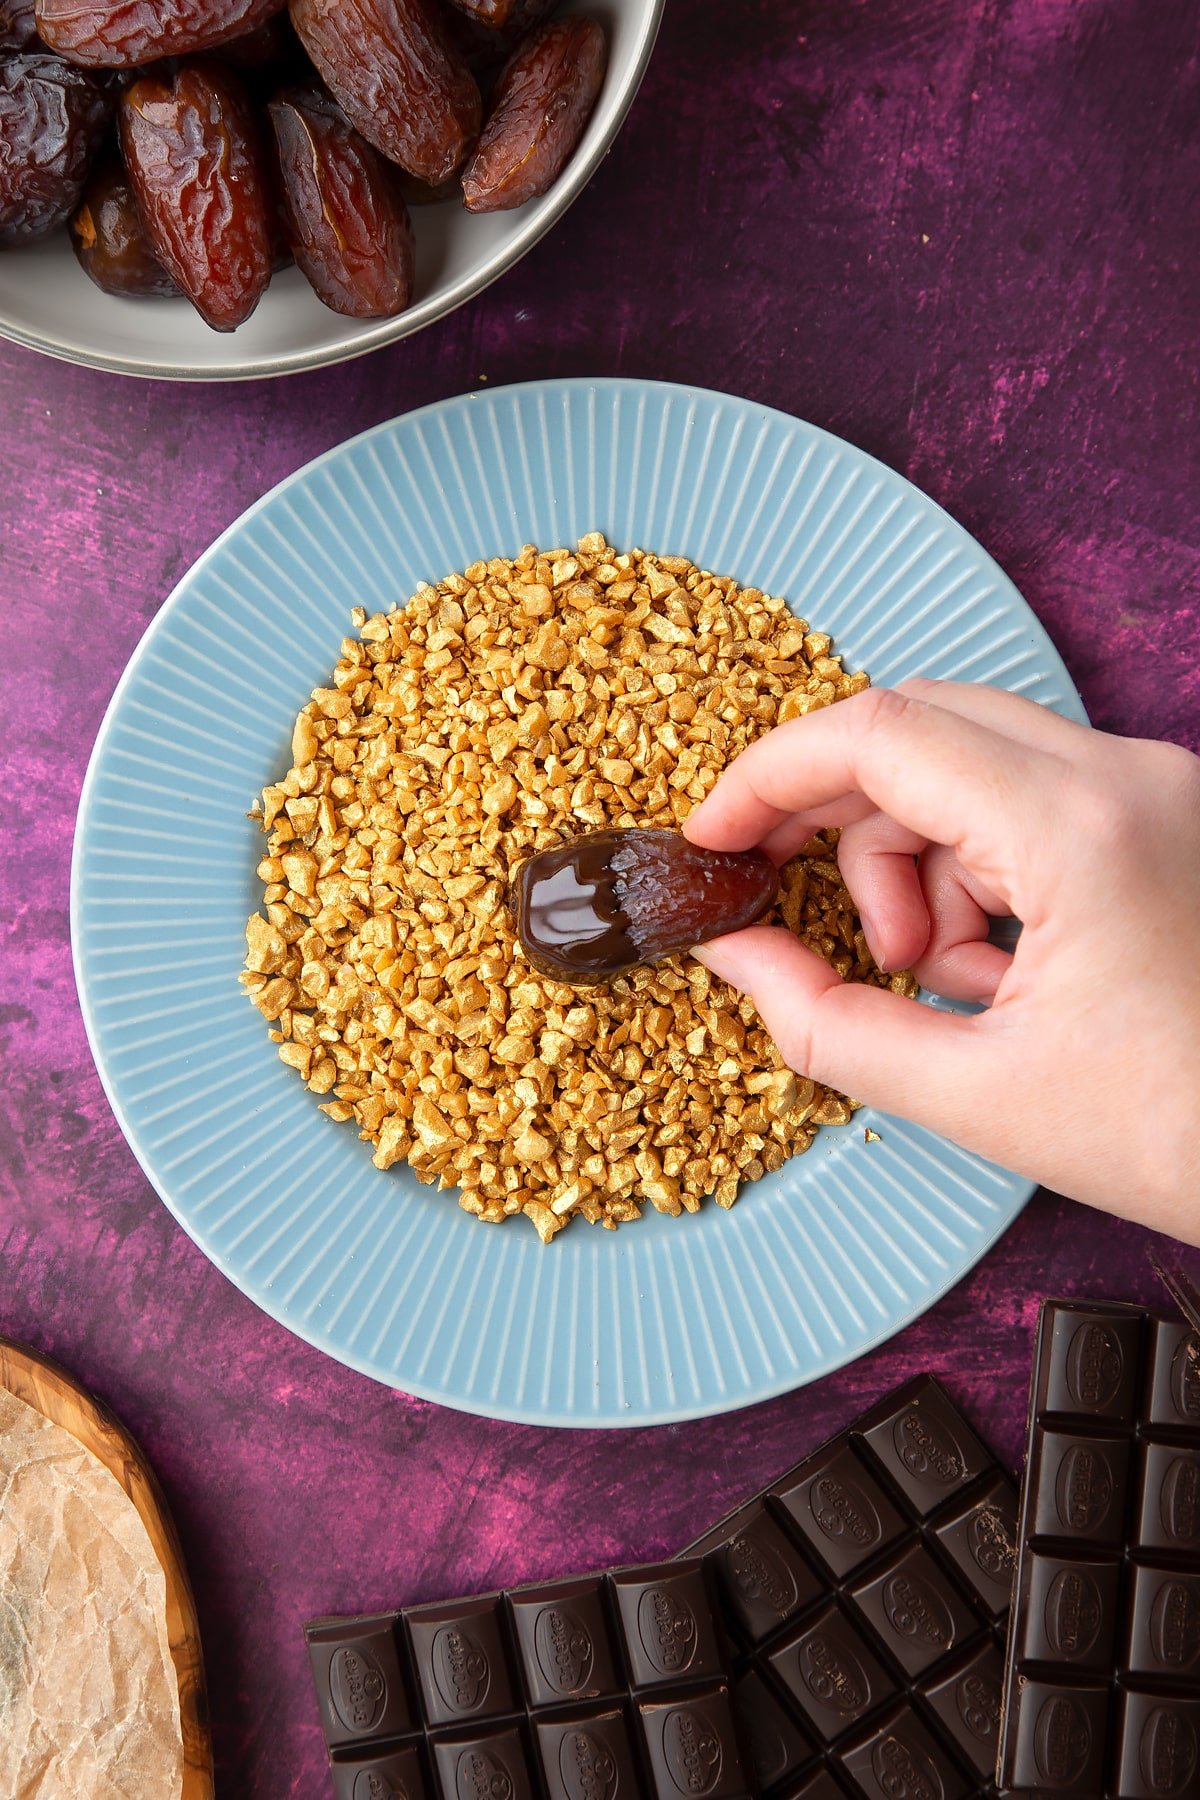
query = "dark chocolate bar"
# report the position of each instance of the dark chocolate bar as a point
(603, 1687)
(1102, 1682)
(866, 1593)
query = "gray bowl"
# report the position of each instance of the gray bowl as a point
(48, 303)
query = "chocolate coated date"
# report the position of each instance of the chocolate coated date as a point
(120, 34)
(602, 903)
(191, 147)
(542, 102)
(400, 81)
(110, 241)
(52, 118)
(350, 231)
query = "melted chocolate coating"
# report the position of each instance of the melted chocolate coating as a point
(609, 900)
(569, 919)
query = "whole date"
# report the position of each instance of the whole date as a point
(350, 231)
(542, 102)
(52, 118)
(191, 148)
(122, 34)
(110, 241)
(398, 78)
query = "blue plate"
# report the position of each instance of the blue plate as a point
(665, 1319)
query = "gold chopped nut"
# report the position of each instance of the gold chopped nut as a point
(542, 1218)
(498, 712)
(778, 1089)
(266, 948)
(304, 740)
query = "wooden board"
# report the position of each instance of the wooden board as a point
(46, 1387)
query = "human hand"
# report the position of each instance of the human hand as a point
(961, 802)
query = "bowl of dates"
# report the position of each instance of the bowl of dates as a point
(219, 189)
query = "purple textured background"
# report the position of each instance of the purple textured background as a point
(965, 234)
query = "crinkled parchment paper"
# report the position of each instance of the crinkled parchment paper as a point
(89, 1706)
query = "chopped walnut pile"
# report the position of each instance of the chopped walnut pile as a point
(492, 716)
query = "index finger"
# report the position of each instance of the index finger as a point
(944, 776)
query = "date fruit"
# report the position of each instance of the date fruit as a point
(110, 241)
(18, 27)
(488, 44)
(398, 78)
(542, 102)
(350, 231)
(52, 118)
(603, 903)
(121, 34)
(191, 148)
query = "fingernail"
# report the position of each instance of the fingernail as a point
(876, 958)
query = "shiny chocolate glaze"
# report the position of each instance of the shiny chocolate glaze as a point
(609, 900)
(569, 919)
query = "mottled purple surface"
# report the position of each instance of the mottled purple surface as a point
(965, 234)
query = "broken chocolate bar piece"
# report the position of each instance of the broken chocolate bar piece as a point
(866, 1592)
(602, 1687)
(1102, 1683)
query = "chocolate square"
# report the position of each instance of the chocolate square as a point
(915, 1611)
(489, 1764)
(764, 1580)
(1079, 1484)
(691, 1746)
(1168, 1504)
(587, 1756)
(1163, 1636)
(778, 1748)
(899, 1756)
(840, 1510)
(908, 1524)
(667, 1625)
(1059, 1738)
(1069, 1612)
(928, 1450)
(563, 1642)
(381, 1774)
(1157, 1755)
(968, 1703)
(981, 1541)
(459, 1657)
(831, 1673)
(1173, 1384)
(1090, 1367)
(359, 1677)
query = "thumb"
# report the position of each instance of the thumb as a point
(935, 1068)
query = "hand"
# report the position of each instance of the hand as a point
(958, 803)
